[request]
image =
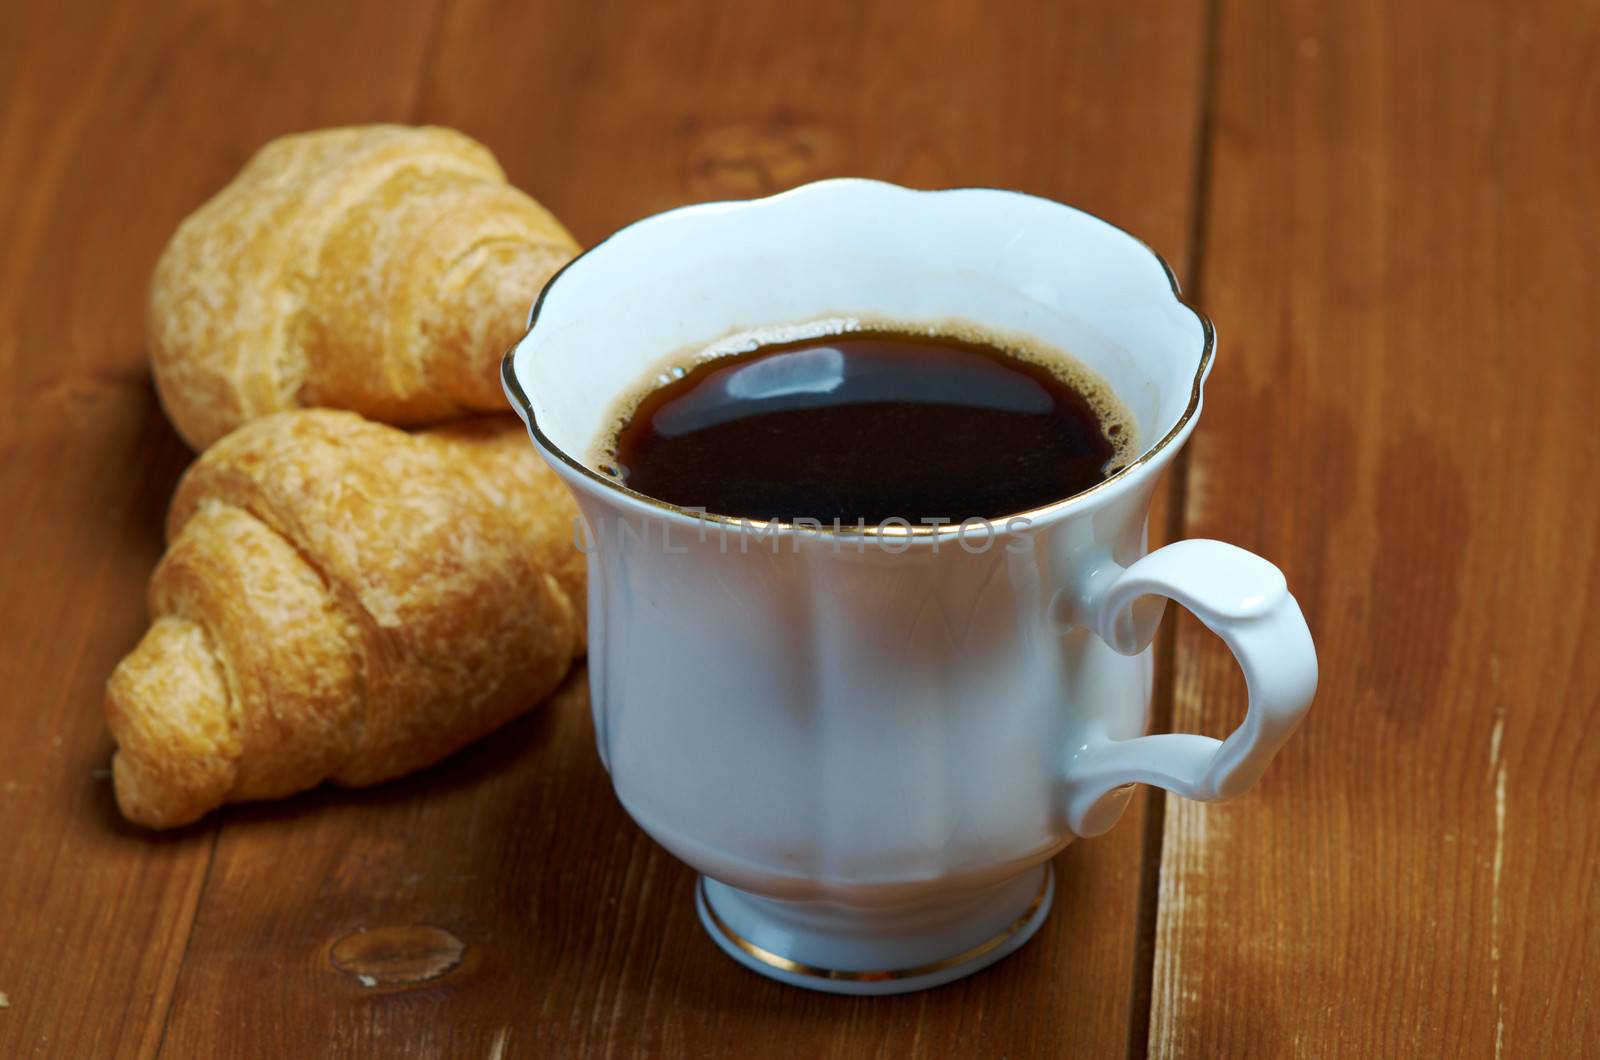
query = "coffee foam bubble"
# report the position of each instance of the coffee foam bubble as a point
(1120, 426)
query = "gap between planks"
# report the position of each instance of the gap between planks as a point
(1161, 707)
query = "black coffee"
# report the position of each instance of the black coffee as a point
(870, 425)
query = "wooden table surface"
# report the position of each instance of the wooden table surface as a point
(1391, 211)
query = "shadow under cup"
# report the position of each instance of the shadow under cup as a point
(860, 748)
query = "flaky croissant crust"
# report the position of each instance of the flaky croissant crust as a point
(378, 268)
(342, 601)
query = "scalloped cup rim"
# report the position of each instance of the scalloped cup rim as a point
(1134, 469)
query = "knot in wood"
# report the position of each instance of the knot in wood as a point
(395, 955)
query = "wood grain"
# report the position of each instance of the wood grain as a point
(579, 932)
(117, 120)
(1400, 243)
(1401, 253)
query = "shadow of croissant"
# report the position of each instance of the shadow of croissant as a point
(460, 774)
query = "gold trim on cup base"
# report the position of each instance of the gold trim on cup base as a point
(778, 962)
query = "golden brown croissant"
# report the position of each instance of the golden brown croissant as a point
(342, 601)
(378, 268)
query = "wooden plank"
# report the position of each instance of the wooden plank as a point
(1401, 256)
(579, 933)
(116, 120)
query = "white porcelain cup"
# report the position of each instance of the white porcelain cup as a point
(872, 745)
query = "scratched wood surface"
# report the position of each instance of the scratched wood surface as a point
(1401, 246)
(533, 917)
(1391, 212)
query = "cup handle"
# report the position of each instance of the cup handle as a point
(1244, 600)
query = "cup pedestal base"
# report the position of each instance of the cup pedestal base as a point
(891, 950)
